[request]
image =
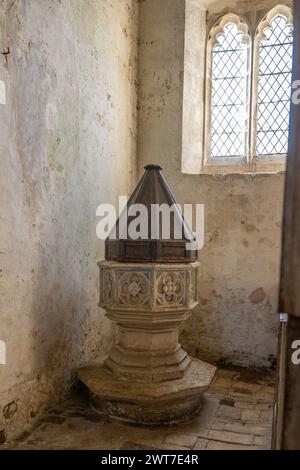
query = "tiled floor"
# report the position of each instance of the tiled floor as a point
(237, 414)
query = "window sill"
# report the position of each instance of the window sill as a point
(270, 164)
(215, 171)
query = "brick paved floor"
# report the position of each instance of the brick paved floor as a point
(237, 414)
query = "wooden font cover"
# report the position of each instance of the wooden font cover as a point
(152, 189)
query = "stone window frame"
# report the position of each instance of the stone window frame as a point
(198, 24)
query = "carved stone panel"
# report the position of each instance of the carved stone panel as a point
(133, 288)
(155, 287)
(108, 287)
(171, 288)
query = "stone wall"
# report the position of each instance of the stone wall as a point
(237, 321)
(68, 143)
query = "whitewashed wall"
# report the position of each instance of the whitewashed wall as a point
(67, 143)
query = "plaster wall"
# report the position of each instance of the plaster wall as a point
(67, 143)
(237, 320)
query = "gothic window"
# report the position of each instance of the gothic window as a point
(229, 90)
(274, 88)
(248, 89)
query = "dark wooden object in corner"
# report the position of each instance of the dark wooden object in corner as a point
(286, 430)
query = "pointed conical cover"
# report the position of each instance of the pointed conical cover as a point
(152, 227)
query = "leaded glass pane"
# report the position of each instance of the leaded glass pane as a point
(274, 89)
(229, 120)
